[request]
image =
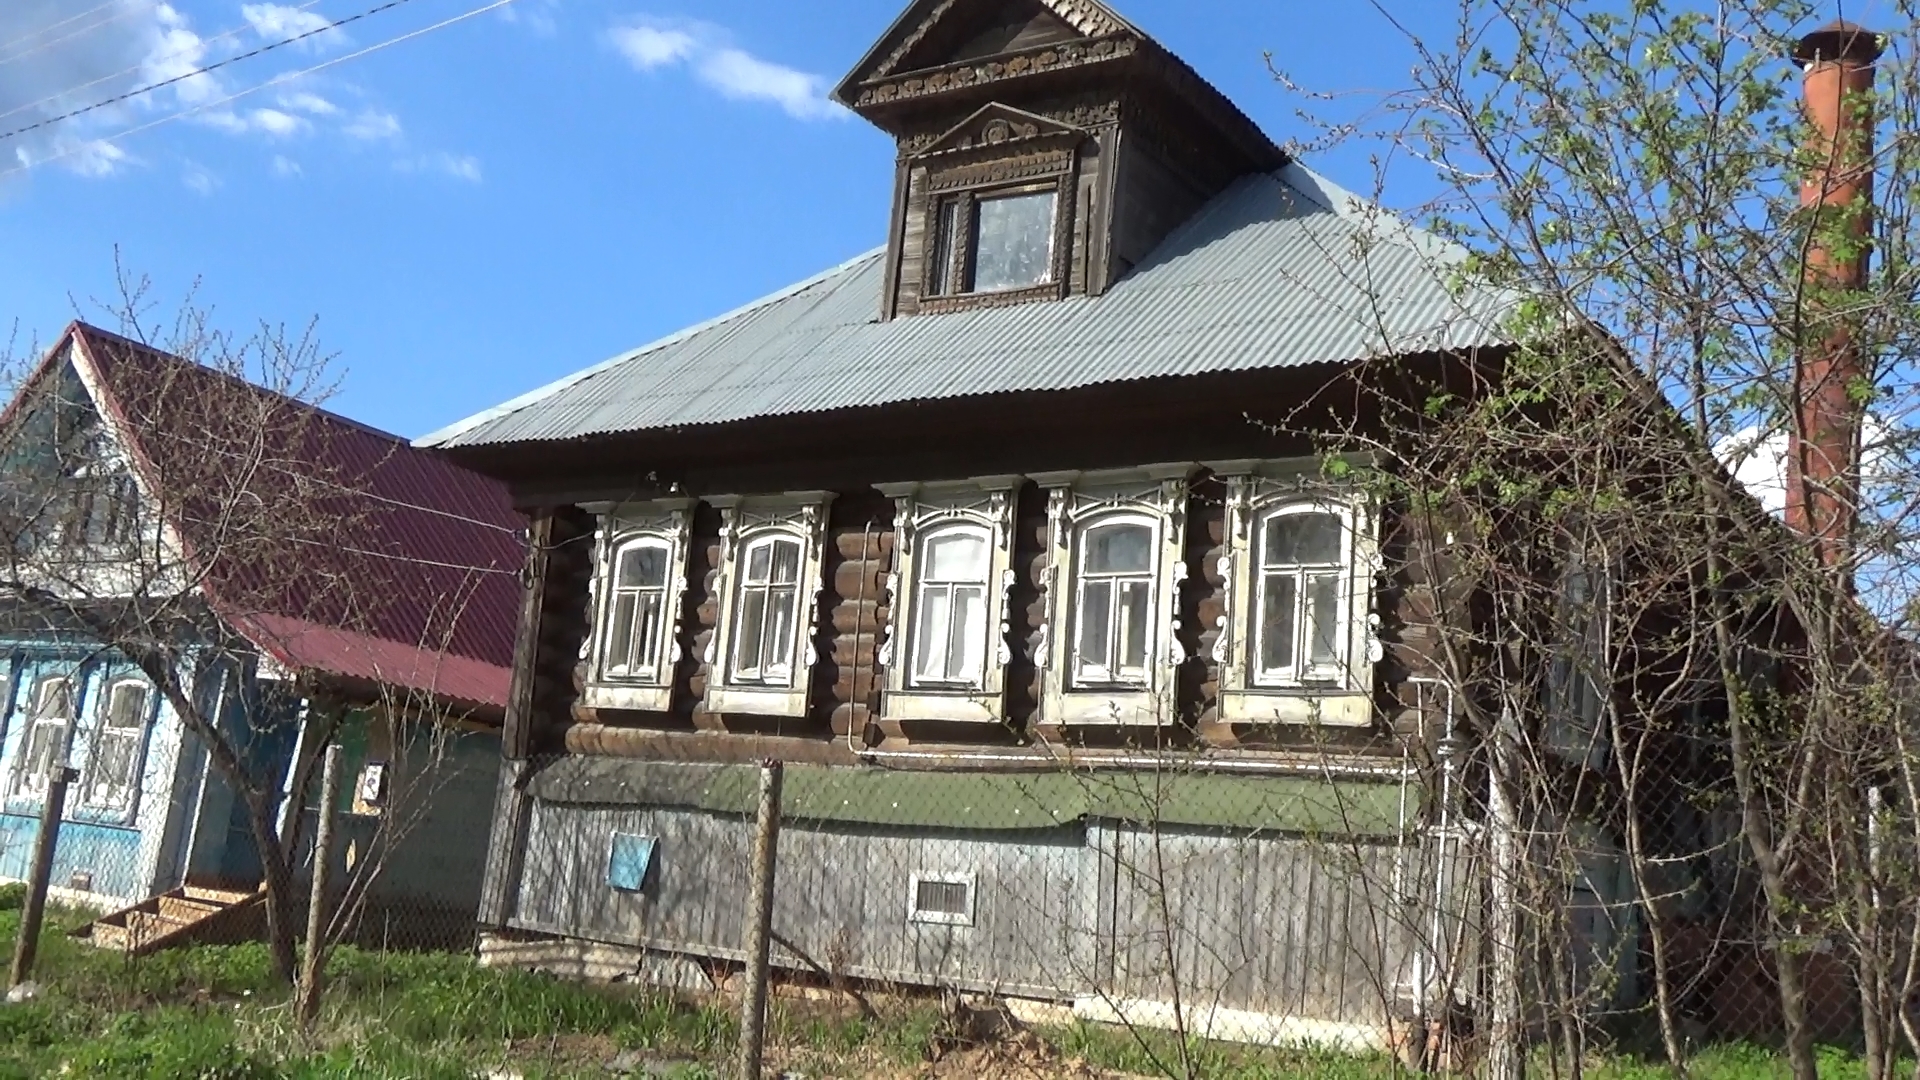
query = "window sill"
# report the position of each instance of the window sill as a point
(619, 696)
(1305, 706)
(959, 706)
(757, 701)
(1113, 708)
(939, 304)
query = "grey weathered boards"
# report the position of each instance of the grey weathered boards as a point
(1288, 924)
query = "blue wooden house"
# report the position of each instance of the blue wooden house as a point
(129, 474)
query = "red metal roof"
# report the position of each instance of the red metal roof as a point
(367, 559)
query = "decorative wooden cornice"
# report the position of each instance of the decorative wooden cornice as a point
(1078, 118)
(1038, 165)
(998, 125)
(1089, 17)
(974, 73)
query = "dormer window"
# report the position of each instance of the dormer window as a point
(991, 221)
(993, 242)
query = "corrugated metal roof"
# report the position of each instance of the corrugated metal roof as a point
(1281, 270)
(421, 590)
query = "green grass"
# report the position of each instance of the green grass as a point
(217, 1013)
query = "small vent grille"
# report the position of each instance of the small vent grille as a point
(943, 900)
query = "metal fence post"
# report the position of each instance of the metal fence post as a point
(313, 970)
(766, 840)
(40, 878)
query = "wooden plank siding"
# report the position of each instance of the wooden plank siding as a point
(841, 897)
(1269, 924)
(1265, 924)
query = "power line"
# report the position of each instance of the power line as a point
(87, 14)
(210, 68)
(275, 81)
(222, 36)
(64, 38)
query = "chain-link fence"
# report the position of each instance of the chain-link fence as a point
(1558, 894)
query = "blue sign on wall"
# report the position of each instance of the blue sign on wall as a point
(629, 857)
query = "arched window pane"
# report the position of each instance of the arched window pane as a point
(1303, 538)
(1303, 631)
(643, 567)
(956, 556)
(950, 628)
(1114, 638)
(1120, 549)
(769, 604)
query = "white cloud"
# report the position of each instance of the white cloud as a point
(199, 179)
(278, 22)
(47, 71)
(176, 51)
(371, 125)
(93, 158)
(535, 15)
(458, 166)
(743, 76)
(285, 166)
(278, 124)
(310, 103)
(650, 45)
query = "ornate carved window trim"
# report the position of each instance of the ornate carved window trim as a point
(985, 504)
(1077, 502)
(663, 523)
(959, 180)
(801, 516)
(1338, 695)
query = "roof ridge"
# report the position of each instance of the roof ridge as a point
(533, 397)
(81, 328)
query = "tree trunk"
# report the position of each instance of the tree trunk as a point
(277, 880)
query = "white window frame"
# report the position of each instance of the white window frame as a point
(1258, 492)
(745, 521)
(924, 510)
(1076, 503)
(29, 782)
(97, 793)
(661, 523)
(917, 914)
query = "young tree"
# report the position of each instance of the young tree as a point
(1702, 214)
(177, 500)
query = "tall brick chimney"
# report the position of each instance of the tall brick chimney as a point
(1823, 442)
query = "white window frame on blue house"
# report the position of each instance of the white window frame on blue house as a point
(29, 781)
(106, 794)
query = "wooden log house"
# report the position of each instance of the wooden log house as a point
(980, 532)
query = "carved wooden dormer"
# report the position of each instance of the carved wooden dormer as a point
(1046, 146)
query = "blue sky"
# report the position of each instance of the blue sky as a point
(486, 207)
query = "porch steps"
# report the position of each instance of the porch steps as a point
(187, 915)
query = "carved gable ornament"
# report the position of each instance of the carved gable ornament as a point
(998, 125)
(940, 45)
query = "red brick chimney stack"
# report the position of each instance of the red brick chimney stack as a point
(1823, 444)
